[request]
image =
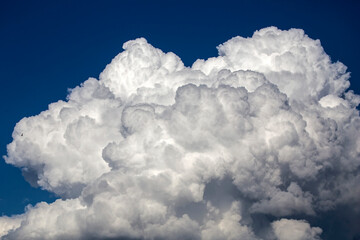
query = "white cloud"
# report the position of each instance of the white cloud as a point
(157, 150)
(288, 229)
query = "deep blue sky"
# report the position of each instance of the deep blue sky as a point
(47, 47)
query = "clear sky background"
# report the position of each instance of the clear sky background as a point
(47, 47)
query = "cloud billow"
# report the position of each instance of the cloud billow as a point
(252, 144)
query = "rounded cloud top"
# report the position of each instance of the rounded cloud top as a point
(239, 146)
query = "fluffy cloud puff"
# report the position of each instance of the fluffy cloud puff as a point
(234, 147)
(288, 229)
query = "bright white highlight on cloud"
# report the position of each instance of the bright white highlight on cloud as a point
(157, 150)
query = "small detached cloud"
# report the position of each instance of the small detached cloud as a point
(288, 229)
(235, 147)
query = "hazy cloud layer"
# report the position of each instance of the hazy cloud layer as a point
(251, 144)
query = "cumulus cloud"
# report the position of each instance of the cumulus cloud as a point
(288, 229)
(235, 147)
